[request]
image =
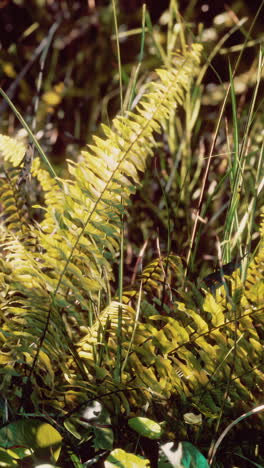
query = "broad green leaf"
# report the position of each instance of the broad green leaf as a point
(184, 456)
(120, 458)
(103, 438)
(48, 437)
(32, 434)
(194, 419)
(72, 426)
(145, 427)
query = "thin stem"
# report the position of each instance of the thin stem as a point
(118, 370)
(33, 138)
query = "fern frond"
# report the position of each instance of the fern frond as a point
(53, 195)
(103, 332)
(13, 213)
(14, 206)
(88, 221)
(12, 150)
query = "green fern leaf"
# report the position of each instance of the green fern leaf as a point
(12, 150)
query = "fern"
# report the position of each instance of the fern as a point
(206, 347)
(58, 326)
(57, 291)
